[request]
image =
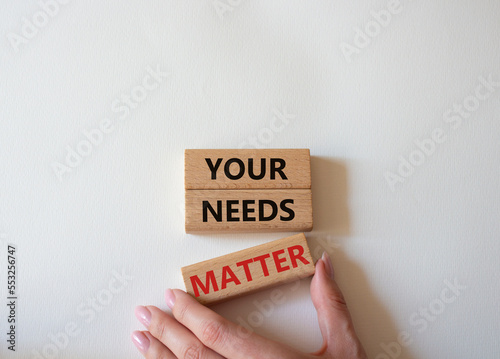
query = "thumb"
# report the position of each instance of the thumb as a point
(339, 338)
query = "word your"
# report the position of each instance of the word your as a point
(372, 29)
(40, 19)
(295, 254)
(241, 168)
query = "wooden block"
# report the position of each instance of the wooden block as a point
(249, 270)
(247, 169)
(249, 210)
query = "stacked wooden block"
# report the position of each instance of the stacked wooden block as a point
(249, 270)
(248, 190)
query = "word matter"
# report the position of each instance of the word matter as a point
(249, 270)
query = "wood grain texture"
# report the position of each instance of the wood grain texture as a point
(249, 270)
(232, 211)
(199, 175)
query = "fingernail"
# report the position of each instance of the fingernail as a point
(140, 341)
(170, 298)
(143, 314)
(328, 264)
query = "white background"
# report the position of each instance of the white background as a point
(120, 209)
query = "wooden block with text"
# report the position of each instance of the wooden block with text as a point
(249, 210)
(249, 270)
(248, 190)
(247, 169)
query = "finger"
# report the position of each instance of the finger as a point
(172, 334)
(150, 347)
(223, 336)
(334, 319)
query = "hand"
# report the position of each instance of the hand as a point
(195, 331)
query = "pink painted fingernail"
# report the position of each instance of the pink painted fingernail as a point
(170, 298)
(328, 264)
(143, 314)
(141, 341)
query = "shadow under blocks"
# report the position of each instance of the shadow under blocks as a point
(332, 229)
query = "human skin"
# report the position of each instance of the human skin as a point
(195, 331)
